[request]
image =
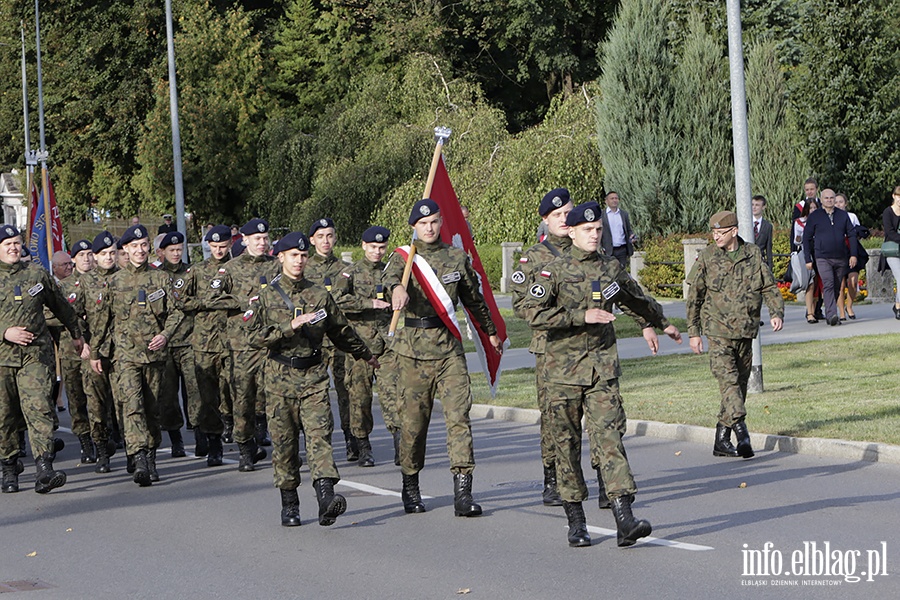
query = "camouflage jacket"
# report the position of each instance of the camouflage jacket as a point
(324, 271)
(72, 291)
(530, 264)
(142, 303)
(242, 281)
(268, 323)
(355, 289)
(207, 300)
(725, 296)
(558, 300)
(178, 274)
(94, 285)
(453, 268)
(25, 289)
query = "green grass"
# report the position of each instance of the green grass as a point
(845, 389)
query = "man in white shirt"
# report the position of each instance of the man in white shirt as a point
(617, 237)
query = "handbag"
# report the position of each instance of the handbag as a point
(801, 276)
(890, 249)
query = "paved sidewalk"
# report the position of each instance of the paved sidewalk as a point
(870, 319)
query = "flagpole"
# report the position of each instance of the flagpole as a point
(440, 135)
(42, 155)
(176, 131)
(30, 157)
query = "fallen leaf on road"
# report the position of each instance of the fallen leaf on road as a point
(743, 485)
(68, 530)
(678, 453)
(463, 591)
(32, 554)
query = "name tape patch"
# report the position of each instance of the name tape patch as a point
(37, 289)
(160, 293)
(611, 290)
(451, 277)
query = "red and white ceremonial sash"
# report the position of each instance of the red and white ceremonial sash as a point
(434, 291)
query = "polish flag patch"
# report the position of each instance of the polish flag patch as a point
(545, 273)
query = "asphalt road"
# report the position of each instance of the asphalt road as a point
(216, 533)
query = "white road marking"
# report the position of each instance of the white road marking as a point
(652, 540)
(371, 489)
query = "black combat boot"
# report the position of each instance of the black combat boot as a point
(47, 479)
(141, 469)
(744, 449)
(603, 500)
(12, 468)
(630, 529)
(290, 508)
(331, 505)
(396, 435)
(463, 503)
(411, 496)
(103, 455)
(129, 464)
(228, 434)
(214, 457)
(550, 495)
(365, 452)
(88, 451)
(578, 533)
(352, 446)
(723, 445)
(151, 465)
(201, 443)
(177, 443)
(250, 455)
(262, 431)
(22, 446)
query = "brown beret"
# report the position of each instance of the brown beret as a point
(723, 220)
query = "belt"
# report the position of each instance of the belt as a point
(424, 323)
(619, 247)
(297, 362)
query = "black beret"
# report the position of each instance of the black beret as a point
(135, 232)
(376, 234)
(588, 212)
(320, 224)
(80, 246)
(423, 208)
(103, 241)
(8, 231)
(295, 240)
(552, 200)
(255, 226)
(176, 237)
(219, 233)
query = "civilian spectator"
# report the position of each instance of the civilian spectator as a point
(616, 236)
(810, 192)
(850, 284)
(204, 245)
(762, 230)
(168, 226)
(237, 241)
(890, 220)
(814, 289)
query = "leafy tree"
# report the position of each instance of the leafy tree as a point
(636, 126)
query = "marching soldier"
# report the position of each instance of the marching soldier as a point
(290, 320)
(205, 297)
(728, 284)
(325, 269)
(244, 278)
(362, 297)
(147, 315)
(431, 361)
(572, 300)
(554, 208)
(26, 362)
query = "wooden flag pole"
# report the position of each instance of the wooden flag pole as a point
(441, 134)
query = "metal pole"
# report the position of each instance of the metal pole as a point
(742, 157)
(176, 131)
(30, 157)
(42, 154)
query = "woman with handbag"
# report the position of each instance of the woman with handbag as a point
(814, 289)
(890, 249)
(850, 283)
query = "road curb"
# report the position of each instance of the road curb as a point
(860, 451)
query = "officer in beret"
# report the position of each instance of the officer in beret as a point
(553, 210)
(105, 413)
(431, 361)
(572, 299)
(289, 321)
(244, 278)
(727, 286)
(26, 379)
(206, 298)
(325, 269)
(147, 314)
(180, 372)
(362, 296)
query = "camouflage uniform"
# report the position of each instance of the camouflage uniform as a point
(325, 271)
(26, 372)
(355, 289)
(299, 394)
(71, 364)
(431, 361)
(581, 368)
(242, 282)
(724, 301)
(530, 264)
(142, 303)
(100, 390)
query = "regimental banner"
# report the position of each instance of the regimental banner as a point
(37, 244)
